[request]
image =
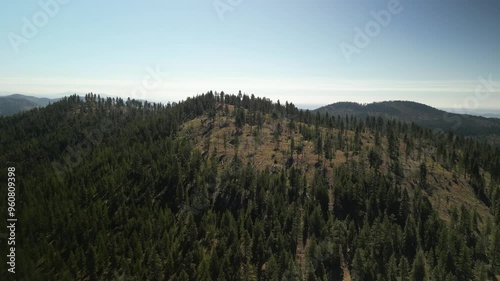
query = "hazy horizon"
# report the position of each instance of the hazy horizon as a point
(480, 111)
(444, 54)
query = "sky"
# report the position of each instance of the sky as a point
(310, 52)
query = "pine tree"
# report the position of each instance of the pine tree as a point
(419, 269)
(392, 269)
(404, 268)
(358, 266)
(495, 250)
(423, 176)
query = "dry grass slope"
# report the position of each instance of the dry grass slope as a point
(263, 151)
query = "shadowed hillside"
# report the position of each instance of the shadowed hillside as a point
(420, 114)
(13, 104)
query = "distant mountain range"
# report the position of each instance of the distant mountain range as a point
(13, 104)
(488, 113)
(491, 115)
(420, 114)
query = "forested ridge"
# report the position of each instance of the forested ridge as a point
(236, 187)
(423, 115)
(12, 104)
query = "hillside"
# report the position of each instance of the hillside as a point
(264, 150)
(235, 187)
(422, 115)
(13, 104)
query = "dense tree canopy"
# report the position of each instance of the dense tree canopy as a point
(128, 190)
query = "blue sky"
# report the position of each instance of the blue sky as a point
(442, 53)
